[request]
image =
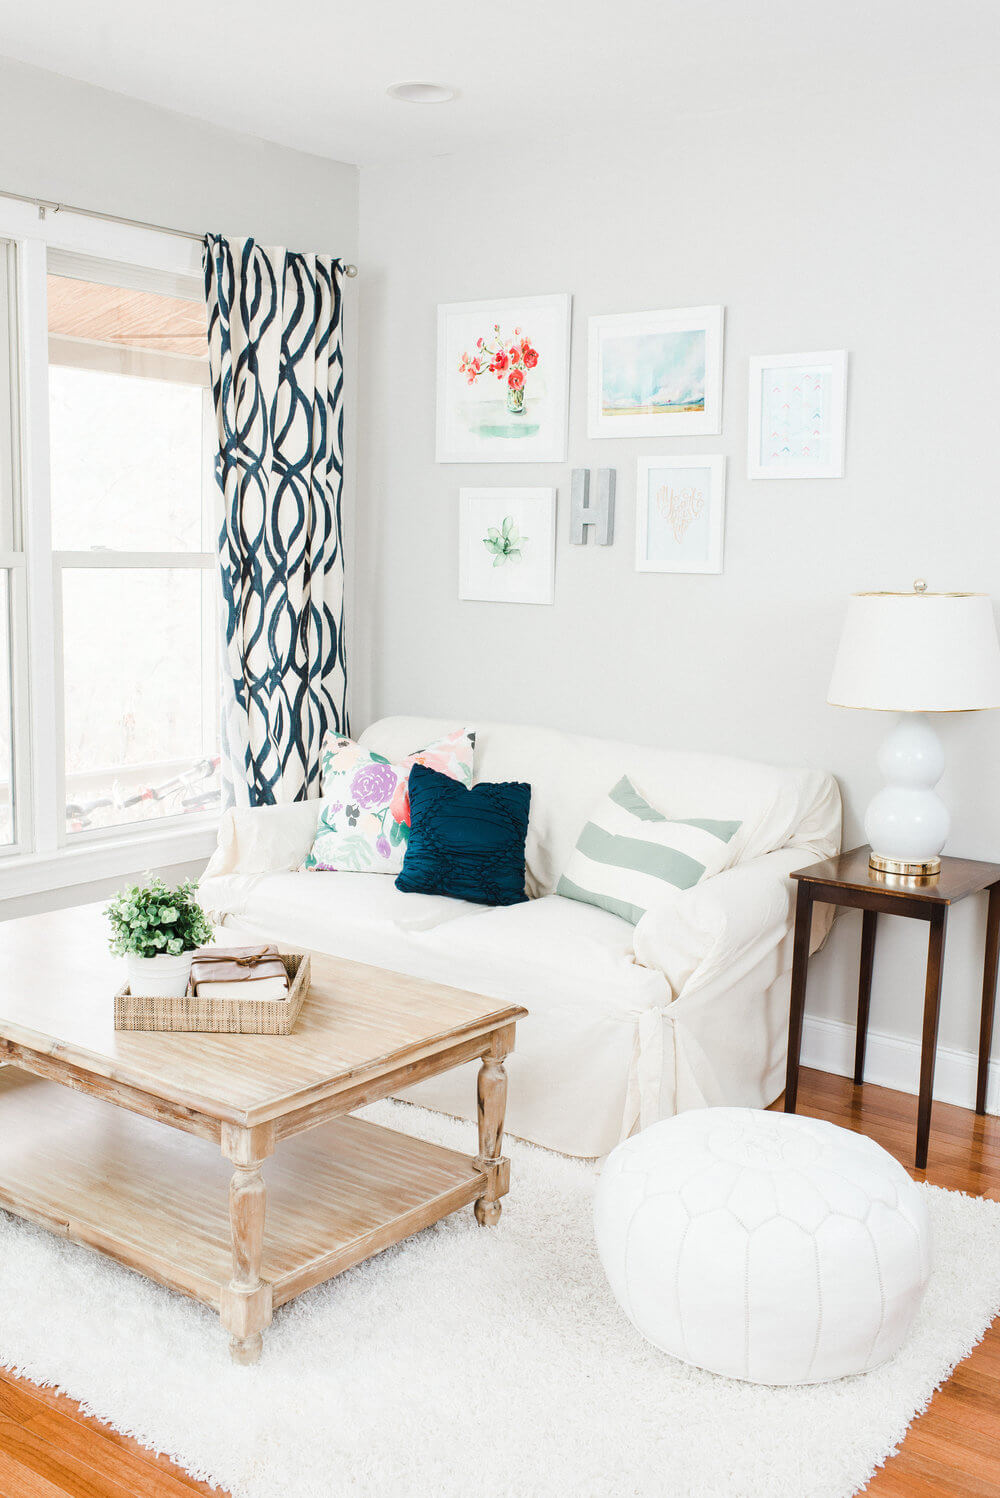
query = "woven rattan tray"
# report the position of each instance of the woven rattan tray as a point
(227, 1016)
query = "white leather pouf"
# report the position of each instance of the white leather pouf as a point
(763, 1246)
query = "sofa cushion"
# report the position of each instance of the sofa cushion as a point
(364, 821)
(629, 857)
(466, 842)
(776, 806)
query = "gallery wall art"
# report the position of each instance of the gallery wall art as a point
(656, 374)
(507, 545)
(503, 380)
(798, 416)
(680, 513)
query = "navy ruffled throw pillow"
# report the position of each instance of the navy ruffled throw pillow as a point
(467, 844)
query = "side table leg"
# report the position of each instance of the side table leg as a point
(928, 1044)
(868, 925)
(491, 1094)
(989, 996)
(245, 1303)
(797, 1000)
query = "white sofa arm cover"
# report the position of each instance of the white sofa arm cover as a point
(725, 925)
(264, 839)
(254, 841)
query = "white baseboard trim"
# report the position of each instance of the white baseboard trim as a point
(893, 1061)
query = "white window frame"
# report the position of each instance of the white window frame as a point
(44, 857)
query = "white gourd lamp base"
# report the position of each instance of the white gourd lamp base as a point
(907, 823)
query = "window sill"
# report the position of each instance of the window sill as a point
(35, 873)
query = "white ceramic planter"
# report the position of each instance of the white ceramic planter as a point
(159, 977)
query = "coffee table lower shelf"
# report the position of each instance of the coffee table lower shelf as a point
(155, 1199)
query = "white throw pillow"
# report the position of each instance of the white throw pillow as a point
(630, 857)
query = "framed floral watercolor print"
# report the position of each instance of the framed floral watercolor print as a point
(656, 374)
(680, 505)
(503, 380)
(798, 415)
(507, 545)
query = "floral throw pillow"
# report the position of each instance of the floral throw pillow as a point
(364, 823)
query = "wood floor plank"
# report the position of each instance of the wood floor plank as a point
(53, 1463)
(65, 1414)
(21, 1482)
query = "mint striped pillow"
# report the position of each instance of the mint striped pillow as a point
(629, 856)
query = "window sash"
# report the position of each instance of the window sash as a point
(151, 261)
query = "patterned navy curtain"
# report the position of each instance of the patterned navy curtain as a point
(276, 359)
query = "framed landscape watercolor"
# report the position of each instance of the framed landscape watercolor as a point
(656, 374)
(503, 380)
(798, 416)
(680, 507)
(507, 545)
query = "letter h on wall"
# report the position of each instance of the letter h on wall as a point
(600, 514)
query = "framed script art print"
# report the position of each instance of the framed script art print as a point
(656, 374)
(680, 514)
(798, 416)
(507, 545)
(503, 381)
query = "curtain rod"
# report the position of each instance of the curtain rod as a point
(45, 206)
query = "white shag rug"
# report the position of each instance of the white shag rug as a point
(490, 1361)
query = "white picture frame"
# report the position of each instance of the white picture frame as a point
(529, 576)
(475, 421)
(680, 508)
(655, 374)
(788, 436)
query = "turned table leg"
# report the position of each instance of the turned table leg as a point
(245, 1303)
(491, 1093)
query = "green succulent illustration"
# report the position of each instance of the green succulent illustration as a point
(504, 545)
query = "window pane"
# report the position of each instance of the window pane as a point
(140, 676)
(6, 735)
(127, 462)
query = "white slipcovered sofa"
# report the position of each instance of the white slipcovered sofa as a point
(628, 1024)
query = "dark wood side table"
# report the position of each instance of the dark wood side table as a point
(848, 880)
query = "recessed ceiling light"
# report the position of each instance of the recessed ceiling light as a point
(421, 93)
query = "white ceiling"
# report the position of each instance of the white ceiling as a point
(313, 73)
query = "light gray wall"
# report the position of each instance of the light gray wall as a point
(869, 223)
(81, 145)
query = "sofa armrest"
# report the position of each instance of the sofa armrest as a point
(726, 925)
(264, 839)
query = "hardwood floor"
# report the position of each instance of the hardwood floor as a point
(49, 1449)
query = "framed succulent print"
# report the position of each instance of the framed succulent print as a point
(798, 415)
(507, 545)
(503, 380)
(656, 374)
(680, 514)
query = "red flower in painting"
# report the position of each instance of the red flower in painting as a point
(501, 356)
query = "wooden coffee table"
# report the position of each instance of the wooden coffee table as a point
(311, 1190)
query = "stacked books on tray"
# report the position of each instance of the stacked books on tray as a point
(238, 973)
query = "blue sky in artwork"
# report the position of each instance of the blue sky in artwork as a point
(662, 369)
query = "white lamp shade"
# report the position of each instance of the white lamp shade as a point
(917, 653)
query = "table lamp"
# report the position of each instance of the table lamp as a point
(913, 654)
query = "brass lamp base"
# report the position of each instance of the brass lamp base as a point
(903, 867)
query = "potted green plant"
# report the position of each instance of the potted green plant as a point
(156, 929)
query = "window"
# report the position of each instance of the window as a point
(131, 488)
(109, 610)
